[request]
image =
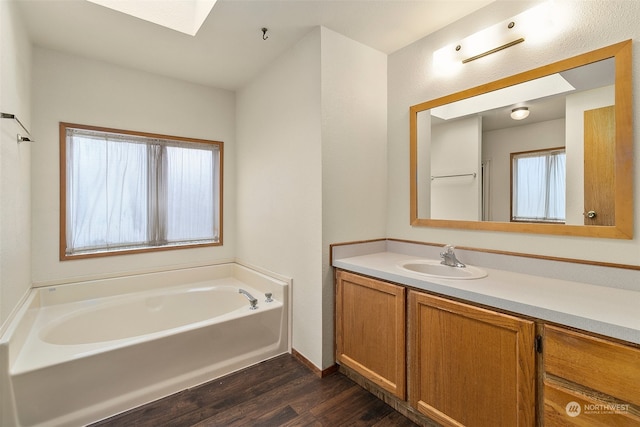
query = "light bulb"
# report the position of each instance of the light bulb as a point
(519, 113)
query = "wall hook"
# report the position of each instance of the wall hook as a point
(264, 33)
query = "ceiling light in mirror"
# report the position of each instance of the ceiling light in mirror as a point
(520, 113)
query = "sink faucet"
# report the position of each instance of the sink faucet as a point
(449, 257)
(252, 300)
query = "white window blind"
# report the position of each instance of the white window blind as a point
(135, 192)
(539, 183)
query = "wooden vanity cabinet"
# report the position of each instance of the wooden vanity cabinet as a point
(370, 330)
(589, 381)
(469, 366)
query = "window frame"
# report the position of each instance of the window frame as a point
(63, 126)
(531, 153)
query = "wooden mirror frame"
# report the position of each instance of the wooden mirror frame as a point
(623, 228)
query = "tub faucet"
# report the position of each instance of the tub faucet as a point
(449, 257)
(252, 300)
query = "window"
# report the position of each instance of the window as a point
(125, 192)
(538, 186)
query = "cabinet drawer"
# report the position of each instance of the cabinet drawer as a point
(601, 365)
(563, 407)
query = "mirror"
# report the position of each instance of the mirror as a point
(466, 152)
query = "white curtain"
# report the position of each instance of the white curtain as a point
(539, 182)
(190, 188)
(125, 191)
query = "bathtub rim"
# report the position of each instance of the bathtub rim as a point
(42, 317)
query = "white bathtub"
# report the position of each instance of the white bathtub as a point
(73, 362)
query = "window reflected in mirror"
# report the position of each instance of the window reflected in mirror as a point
(538, 182)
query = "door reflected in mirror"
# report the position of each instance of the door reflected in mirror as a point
(463, 147)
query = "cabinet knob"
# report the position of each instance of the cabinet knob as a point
(591, 214)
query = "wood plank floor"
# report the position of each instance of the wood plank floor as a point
(278, 392)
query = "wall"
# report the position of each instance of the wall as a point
(15, 161)
(585, 26)
(279, 186)
(497, 148)
(354, 154)
(77, 90)
(312, 170)
(455, 149)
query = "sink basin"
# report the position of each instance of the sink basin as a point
(433, 268)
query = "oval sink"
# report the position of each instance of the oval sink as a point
(433, 268)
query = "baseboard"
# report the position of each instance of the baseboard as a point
(313, 368)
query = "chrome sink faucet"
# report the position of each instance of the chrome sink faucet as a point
(252, 300)
(449, 257)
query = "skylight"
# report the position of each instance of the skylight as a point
(186, 16)
(534, 89)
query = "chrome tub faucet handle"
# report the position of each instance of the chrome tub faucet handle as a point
(252, 301)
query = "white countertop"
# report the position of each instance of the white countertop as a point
(604, 310)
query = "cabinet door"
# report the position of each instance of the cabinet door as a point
(470, 366)
(370, 330)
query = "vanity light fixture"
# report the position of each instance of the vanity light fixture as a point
(520, 113)
(495, 49)
(531, 25)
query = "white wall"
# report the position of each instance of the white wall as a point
(354, 155)
(497, 148)
(72, 89)
(587, 25)
(312, 170)
(456, 147)
(15, 161)
(279, 182)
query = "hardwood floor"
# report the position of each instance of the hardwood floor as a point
(278, 392)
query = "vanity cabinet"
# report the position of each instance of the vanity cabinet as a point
(459, 364)
(589, 381)
(470, 366)
(370, 330)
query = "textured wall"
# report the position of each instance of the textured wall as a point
(71, 89)
(586, 25)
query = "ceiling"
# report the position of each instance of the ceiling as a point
(586, 77)
(229, 50)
